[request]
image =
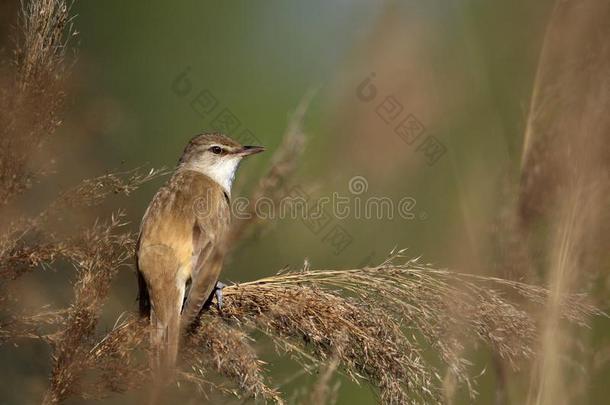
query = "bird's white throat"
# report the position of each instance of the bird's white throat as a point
(222, 171)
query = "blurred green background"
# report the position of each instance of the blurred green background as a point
(464, 69)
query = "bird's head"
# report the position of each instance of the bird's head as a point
(217, 156)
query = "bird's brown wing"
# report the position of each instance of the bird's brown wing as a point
(209, 232)
(164, 260)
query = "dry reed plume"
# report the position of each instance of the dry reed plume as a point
(565, 184)
(376, 323)
(33, 95)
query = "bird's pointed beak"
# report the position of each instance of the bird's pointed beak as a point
(250, 150)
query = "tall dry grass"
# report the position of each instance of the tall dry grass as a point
(397, 326)
(565, 184)
(33, 92)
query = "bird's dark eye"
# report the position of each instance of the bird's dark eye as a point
(217, 150)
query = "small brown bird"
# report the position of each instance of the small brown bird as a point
(180, 249)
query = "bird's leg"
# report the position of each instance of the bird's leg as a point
(218, 293)
(187, 290)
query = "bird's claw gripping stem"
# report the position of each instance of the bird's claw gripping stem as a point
(218, 294)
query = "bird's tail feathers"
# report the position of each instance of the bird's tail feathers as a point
(164, 352)
(165, 339)
(159, 265)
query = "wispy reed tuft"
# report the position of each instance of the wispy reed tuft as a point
(31, 101)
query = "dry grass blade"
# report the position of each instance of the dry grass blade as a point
(93, 191)
(22, 259)
(19, 326)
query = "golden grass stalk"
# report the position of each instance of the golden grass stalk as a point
(547, 382)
